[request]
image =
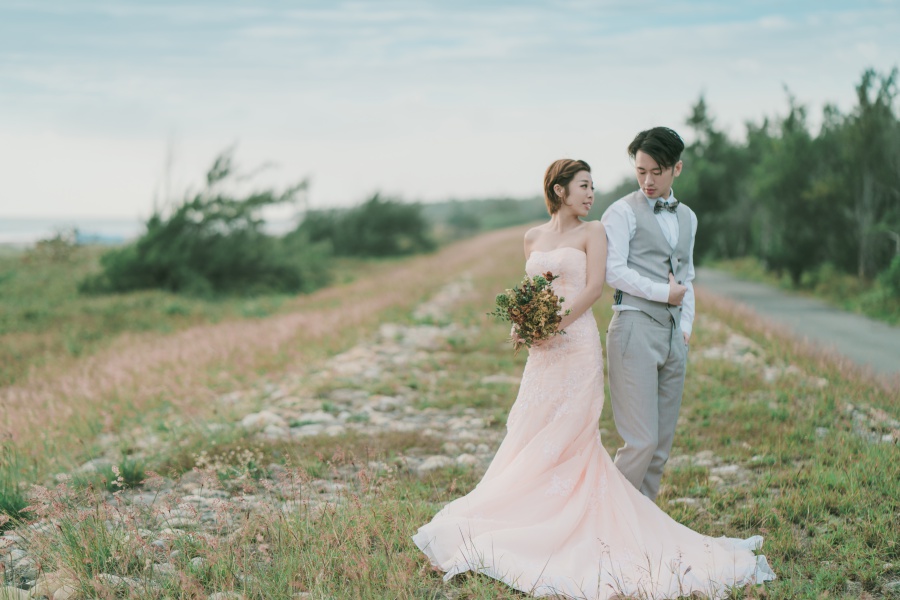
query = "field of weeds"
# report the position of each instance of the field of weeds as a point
(292, 455)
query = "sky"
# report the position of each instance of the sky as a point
(109, 108)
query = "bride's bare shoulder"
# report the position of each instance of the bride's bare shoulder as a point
(533, 233)
(594, 227)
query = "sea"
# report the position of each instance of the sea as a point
(23, 232)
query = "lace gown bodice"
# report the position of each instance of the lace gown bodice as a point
(552, 515)
(570, 264)
(565, 364)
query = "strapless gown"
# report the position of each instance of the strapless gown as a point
(553, 515)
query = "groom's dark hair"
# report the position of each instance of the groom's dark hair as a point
(660, 143)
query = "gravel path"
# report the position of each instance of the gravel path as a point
(862, 340)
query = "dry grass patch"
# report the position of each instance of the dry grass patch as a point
(50, 411)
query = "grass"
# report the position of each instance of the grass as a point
(14, 473)
(789, 457)
(839, 289)
(45, 323)
(135, 377)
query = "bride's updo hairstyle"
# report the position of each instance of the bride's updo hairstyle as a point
(561, 172)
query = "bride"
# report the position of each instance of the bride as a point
(553, 515)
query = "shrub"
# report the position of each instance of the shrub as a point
(214, 243)
(377, 227)
(890, 277)
(61, 247)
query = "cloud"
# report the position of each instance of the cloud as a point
(774, 23)
(434, 88)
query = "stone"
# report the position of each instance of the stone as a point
(164, 569)
(14, 555)
(307, 430)
(276, 432)
(261, 420)
(48, 583)
(317, 416)
(467, 460)
(725, 470)
(25, 568)
(433, 463)
(66, 592)
(853, 587)
(95, 466)
(145, 498)
(115, 581)
(230, 399)
(386, 403)
(335, 430)
(225, 596)
(685, 501)
(348, 395)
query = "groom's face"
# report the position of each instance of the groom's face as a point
(655, 181)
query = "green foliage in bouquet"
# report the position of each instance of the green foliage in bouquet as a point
(533, 308)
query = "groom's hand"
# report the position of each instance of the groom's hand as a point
(676, 291)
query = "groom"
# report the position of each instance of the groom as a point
(650, 264)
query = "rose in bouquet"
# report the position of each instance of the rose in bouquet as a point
(533, 308)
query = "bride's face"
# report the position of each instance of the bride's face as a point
(580, 194)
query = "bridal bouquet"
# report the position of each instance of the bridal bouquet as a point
(533, 308)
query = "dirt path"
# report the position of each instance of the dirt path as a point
(864, 341)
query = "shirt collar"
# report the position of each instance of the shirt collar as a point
(668, 200)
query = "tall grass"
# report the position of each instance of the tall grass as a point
(14, 475)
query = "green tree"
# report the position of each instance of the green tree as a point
(786, 184)
(871, 140)
(214, 243)
(712, 184)
(378, 227)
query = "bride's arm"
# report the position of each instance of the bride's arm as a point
(595, 248)
(530, 236)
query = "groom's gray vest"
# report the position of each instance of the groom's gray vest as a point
(650, 254)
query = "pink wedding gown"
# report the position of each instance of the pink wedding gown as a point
(553, 515)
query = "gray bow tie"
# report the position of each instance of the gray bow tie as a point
(662, 205)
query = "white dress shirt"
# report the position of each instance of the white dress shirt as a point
(620, 225)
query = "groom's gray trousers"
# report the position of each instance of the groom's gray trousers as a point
(647, 361)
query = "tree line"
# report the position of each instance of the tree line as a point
(798, 200)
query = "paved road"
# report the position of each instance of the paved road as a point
(860, 339)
